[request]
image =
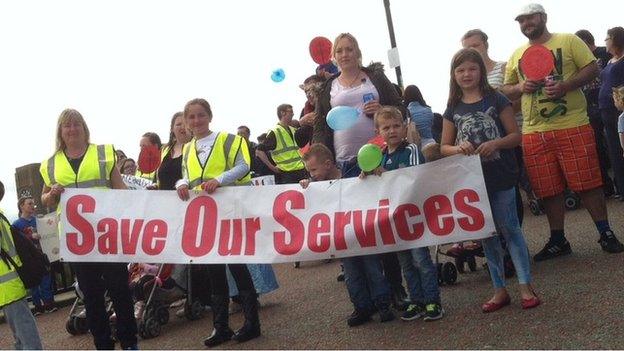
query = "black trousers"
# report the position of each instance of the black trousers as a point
(609, 119)
(95, 279)
(218, 278)
(392, 270)
(595, 119)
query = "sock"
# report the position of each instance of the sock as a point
(557, 236)
(602, 226)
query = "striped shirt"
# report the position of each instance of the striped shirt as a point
(496, 76)
(405, 155)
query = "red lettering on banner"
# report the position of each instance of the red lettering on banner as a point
(192, 219)
(365, 232)
(107, 242)
(83, 241)
(129, 239)
(231, 228)
(154, 237)
(439, 215)
(385, 227)
(291, 223)
(475, 220)
(341, 220)
(252, 226)
(400, 222)
(318, 233)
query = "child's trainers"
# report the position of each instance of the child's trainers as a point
(433, 311)
(414, 311)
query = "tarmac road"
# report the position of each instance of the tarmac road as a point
(583, 307)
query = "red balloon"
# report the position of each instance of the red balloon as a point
(149, 159)
(320, 50)
(537, 62)
(379, 141)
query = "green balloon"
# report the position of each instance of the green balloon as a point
(369, 157)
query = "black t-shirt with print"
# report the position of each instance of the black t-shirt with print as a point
(480, 122)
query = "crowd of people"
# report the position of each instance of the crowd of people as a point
(557, 134)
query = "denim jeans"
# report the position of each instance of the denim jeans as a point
(503, 204)
(421, 275)
(23, 325)
(42, 294)
(366, 283)
(349, 169)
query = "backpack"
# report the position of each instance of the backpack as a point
(33, 267)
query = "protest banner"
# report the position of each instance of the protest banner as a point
(47, 228)
(436, 203)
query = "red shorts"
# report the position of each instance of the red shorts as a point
(556, 158)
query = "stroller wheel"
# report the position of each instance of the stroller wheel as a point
(69, 326)
(150, 328)
(472, 263)
(80, 325)
(162, 315)
(193, 310)
(460, 264)
(535, 207)
(572, 200)
(449, 273)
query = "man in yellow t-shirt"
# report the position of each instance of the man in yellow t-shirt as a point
(558, 141)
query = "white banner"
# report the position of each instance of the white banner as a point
(436, 203)
(136, 183)
(47, 228)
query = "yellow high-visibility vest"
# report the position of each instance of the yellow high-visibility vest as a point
(286, 154)
(11, 287)
(222, 158)
(94, 172)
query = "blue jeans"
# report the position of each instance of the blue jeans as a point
(349, 169)
(23, 325)
(364, 276)
(366, 283)
(421, 275)
(42, 294)
(506, 220)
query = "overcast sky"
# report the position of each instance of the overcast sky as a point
(127, 66)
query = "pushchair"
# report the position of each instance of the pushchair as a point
(76, 323)
(155, 312)
(447, 272)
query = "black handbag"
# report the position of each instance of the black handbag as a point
(33, 267)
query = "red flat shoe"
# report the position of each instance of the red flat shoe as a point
(530, 303)
(489, 307)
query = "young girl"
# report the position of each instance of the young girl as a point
(478, 120)
(209, 161)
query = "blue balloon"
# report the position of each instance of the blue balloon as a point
(278, 75)
(342, 117)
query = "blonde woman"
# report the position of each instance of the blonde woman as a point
(77, 163)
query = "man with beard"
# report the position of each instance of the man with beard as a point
(558, 141)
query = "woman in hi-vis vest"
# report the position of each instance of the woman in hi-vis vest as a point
(211, 160)
(77, 163)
